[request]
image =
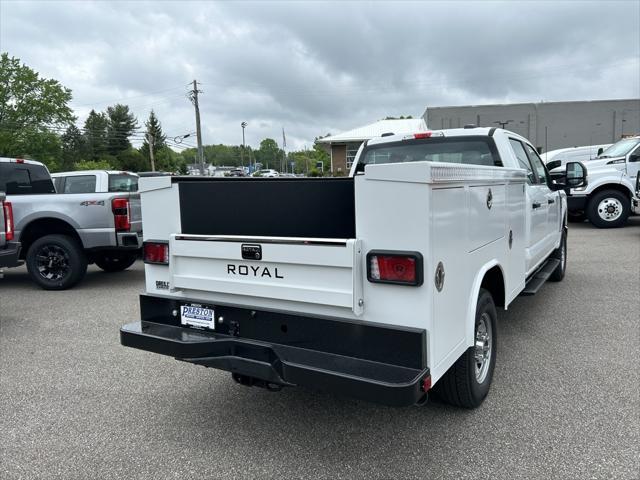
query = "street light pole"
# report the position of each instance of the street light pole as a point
(243, 125)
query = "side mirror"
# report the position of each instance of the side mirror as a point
(600, 150)
(576, 175)
(634, 157)
(637, 185)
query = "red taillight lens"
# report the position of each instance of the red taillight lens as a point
(8, 220)
(395, 267)
(121, 218)
(155, 252)
(422, 135)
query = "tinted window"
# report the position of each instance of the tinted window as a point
(467, 151)
(80, 184)
(58, 182)
(123, 183)
(537, 164)
(523, 160)
(24, 179)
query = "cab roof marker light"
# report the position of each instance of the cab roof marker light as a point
(422, 135)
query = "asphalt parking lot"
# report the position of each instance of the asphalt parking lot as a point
(564, 402)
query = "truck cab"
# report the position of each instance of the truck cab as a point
(95, 181)
(388, 293)
(609, 197)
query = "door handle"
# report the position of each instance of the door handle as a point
(550, 201)
(536, 205)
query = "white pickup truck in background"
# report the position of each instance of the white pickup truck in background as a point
(609, 196)
(386, 291)
(95, 181)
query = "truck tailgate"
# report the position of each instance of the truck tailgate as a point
(318, 271)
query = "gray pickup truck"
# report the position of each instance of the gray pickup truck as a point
(9, 250)
(61, 234)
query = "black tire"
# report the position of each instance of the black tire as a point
(460, 386)
(609, 199)
(56, 262)
(561, 254)
(115, 261)
(576, 217)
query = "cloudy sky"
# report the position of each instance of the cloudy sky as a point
(319, 67)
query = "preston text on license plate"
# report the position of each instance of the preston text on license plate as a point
(197, 316)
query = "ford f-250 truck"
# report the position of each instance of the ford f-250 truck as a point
(61, 233)
(383, 285)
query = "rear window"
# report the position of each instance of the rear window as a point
(24, 179)
(460, 150)
(80, 184)
(123, 183)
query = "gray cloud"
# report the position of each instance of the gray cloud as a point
(318, 67)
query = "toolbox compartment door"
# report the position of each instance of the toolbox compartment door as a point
(317, 271)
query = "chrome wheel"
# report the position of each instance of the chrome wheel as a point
(483, 346)
(610, 209)
(52, 262)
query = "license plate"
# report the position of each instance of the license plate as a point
(197, 316)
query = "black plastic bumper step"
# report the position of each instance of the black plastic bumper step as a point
(281, 364)
(538, 279)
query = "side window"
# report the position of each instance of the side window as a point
(536, 161)
(80, 184)
(523, 160)
(40, 179)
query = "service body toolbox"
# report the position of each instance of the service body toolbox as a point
(381, 285)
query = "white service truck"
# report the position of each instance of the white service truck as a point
(609, 196)
(383, 285)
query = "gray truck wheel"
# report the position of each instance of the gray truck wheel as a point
(467, 382)
(115, 261)
(56, 262)
(609, 209)
(561, 254)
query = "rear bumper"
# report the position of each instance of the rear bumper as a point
(576, 202)
(9, 256)
(378, 363)
(129, 240)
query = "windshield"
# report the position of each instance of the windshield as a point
(621, 148)
(462, 150)
(123, 183)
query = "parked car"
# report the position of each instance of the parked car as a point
(559, 158)
(237, 172)
(61, 233)
(9, 249)
(608, 199)
(268, 172)
(387, 292)
(95, 181)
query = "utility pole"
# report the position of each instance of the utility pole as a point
(193, 96)
(243, 125)
(151, 141)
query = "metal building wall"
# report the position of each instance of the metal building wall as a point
(549, 125)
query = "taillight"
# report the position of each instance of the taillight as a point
(422, 135)
(401, 268)
(8, 220)
(156, 252)
(121, 218)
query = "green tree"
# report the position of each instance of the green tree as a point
(121, 124)
(94, 165)
(72, 147)
(269, 154)
(95, 133)
(31, 107)
(132, 160)
(154, 131)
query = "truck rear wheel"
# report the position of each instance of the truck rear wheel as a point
(467, 382)
(609, 209)
(56, 262)
(115, 261)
